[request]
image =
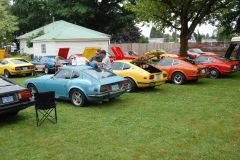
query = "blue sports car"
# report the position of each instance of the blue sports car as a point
(80, 84)
(49, 62)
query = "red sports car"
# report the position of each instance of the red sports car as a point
(193, 53)
(119, 55)
(181, 70)
(218, 66)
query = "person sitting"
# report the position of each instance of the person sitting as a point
(97, 57)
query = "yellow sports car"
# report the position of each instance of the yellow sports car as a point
(158, 54)
(15, 66)
(139, 74)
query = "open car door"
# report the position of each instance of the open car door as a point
(230, 50)
(89, 52)
(63, 52)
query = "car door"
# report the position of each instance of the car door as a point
(58, 83)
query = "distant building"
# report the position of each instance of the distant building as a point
(61, 34)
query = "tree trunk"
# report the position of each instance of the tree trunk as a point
(183, 43)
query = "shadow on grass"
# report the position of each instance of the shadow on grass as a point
(11, 119)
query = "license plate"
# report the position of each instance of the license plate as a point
(7, 99)
(25, 68)
(158, 76)
(115, 87)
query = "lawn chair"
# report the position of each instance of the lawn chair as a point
(44, 105)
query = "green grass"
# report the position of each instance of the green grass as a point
(193, 121)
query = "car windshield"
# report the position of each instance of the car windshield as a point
(189, 60)
(19, 61)
(4, 82)
(196, 50)
(99, 74)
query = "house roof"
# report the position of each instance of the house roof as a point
(62, 30)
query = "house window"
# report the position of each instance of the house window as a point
(43, 48)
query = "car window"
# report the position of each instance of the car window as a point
(175, 62)
(99, 74)
(4, 62)
(165, 62)
(19, 61)
(201, 59)
(211, 59)
(75, 74)
(64, 74)
(126, 66)
(117, 65)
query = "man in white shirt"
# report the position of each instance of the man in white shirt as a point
(106, 64)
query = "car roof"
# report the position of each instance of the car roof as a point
(77, 68)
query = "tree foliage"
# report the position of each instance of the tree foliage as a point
(182, 15)
(29, 40)
(8, 22)
(107, 16)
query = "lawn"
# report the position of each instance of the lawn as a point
(193, 121)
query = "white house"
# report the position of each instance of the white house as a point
(61, 34)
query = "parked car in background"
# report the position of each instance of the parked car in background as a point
(80, 84)
(49, 62)
(13, 97)
(140, 75)
(119, 55)
(70, 58)
(15, 66)
(218, 66)
(195, 52)
(181, 70)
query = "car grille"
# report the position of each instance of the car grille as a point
(8, 99)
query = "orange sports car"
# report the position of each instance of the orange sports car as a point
(181, 70)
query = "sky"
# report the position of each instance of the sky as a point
(203, 29)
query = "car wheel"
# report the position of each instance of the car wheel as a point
(32, 88)
(214, 73)
(46, 70)
(7, 74)
(131, 85)
(77, 97)
(178, 78)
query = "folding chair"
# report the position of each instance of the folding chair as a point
(44, 105)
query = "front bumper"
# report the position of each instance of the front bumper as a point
(106, 95)
(16, 106)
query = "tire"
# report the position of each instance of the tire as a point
(77, 97)
(32, 88)
(214, 73)
(132, 85)
(46, 70)
(178, 78)
(7, 74)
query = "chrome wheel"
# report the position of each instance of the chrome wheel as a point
(214, 73)
(77, 97)
(46, 70)
(178, 78)
(6, 74)
(131, 85)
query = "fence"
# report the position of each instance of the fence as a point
(144, 47)
(215, 47)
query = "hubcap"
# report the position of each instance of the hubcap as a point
(46, 70)
(213, 73)
(178, 79)
(129, 86)
(77, 98)
(6, 74)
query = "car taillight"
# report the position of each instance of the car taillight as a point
(104, 88)
(151, 77)
(17, 68)
(24, 95)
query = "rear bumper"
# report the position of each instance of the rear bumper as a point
(150, 84)
(21, 72)
(108, 95)
(16, 107)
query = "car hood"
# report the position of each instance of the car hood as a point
(112, 79)
(11, 88)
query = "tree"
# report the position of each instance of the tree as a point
(229, 19)
(107, 16)
(155, 33)
(198, 37)
(8, 23)
(182, 15)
